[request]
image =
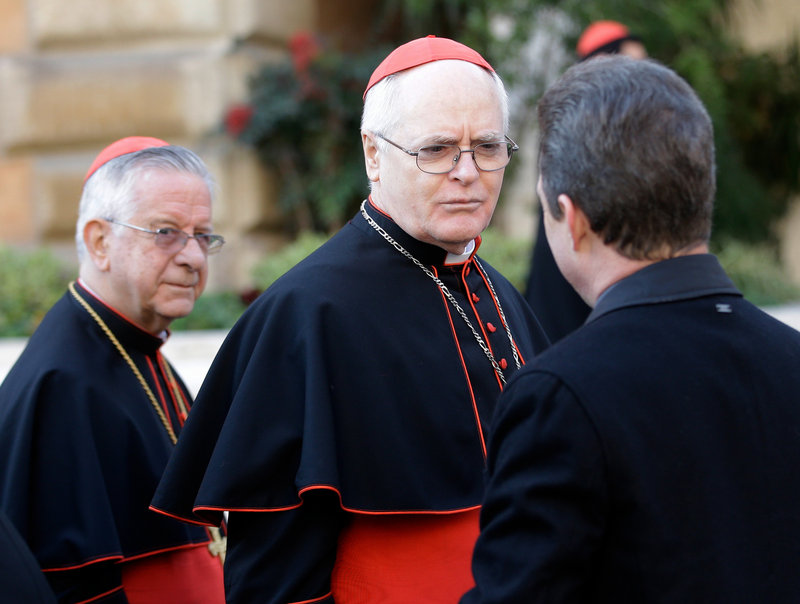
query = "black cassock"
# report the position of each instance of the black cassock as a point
(353, 378)
(83, 449)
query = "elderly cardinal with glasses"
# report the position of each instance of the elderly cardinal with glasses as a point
(343, 425)
(91, 411)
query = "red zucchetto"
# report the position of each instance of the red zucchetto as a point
(421, 51)
(601, 34)
(130, 144)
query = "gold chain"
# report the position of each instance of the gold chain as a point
(162, 416)
(495, 365)
(218, 543)
(173, 383)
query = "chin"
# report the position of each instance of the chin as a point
(464, 233)
(177, 309)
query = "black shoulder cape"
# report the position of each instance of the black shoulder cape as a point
(352, 373)
(82, 447)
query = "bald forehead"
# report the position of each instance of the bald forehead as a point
(444, 82)
(444, 75)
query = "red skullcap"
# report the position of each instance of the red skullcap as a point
(599, 34)
(123, 146)
(421, 51)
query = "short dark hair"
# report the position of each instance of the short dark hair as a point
(632, 145)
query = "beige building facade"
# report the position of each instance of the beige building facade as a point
(75, 76)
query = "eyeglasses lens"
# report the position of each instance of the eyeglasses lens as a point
(439, 159)
(174, 240)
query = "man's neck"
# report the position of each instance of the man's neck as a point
(615, 267)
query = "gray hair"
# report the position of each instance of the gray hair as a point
(632, 145)
(382, 115)
(109, 192)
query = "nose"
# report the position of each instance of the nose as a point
(192, 255)
(465, 169)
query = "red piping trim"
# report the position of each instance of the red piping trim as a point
(177, 548)
(204, 508)
(171, 390)
(114, 558)
(377, 209)
(116, 312)
(117, 559)
(162, 398)
(327, 595)
(300, 493)
(464, 368)
(185, 518)
(478, 316)
(497, 306)
(103, 595)
(326, 487)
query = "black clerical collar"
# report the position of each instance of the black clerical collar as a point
(425, 252)
(130, 335)
(682, 278)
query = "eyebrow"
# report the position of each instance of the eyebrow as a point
(169, 223)
(444, 139)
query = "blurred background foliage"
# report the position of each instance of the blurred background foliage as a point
(303, 119)
(306, 110)
(303, 115)
(30, 282)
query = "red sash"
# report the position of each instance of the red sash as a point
(402, 558)
(183, 576)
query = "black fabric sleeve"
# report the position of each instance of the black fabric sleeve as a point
(20, 576)
(542, 519)
(284, 556)
(88, 583)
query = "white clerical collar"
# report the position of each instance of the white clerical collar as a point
(462, 257)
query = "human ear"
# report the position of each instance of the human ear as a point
(371, 156)
(96, 239)
(577, 222)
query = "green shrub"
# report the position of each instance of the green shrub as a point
(303, 118)
(217, 310)
(754, 268)
(510, 256)
(756, 271)
(30, 283)
(274, 265)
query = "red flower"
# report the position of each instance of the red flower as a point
(248, 296)
(237, 119)
(304, 48)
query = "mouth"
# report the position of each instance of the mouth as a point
(189, 286)
(462, 203)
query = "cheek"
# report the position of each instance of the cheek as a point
(495, 179)
(201, 281)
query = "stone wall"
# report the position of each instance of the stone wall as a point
(74, 76)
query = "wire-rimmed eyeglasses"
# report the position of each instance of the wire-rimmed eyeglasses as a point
(440, 159)
(173, 240)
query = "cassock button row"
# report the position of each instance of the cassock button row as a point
(503, 363)
(475, 298)
(491, 327)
